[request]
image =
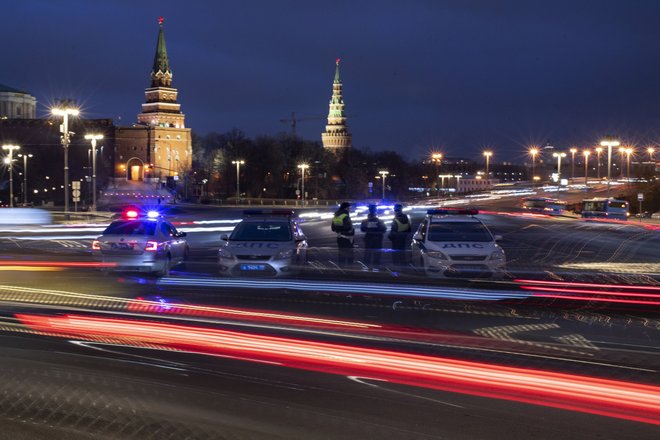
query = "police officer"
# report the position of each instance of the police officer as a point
(373, 229)
(399, 235)
(343, 226)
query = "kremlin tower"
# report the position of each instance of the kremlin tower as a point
(336, 136)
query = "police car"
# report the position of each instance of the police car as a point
(265, 243)
(141, 242)
(455, 243)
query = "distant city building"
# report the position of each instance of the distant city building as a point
(159, 145)
(336, 135)
(16, 104)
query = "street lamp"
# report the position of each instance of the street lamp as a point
(10, 162)
(650, 150)
(609, 143)
(598, 151)
(25, 158)
(533, 152)
(573, 151)
(65, 112)
(383, 174)
(238, 164)
(303, 167)
(622, 151)
(436, 158)
(558, 156)
(93, 138)
(488, 154)
(628, 151)
(586, 165)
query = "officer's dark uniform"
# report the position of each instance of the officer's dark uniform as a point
(373, 229)
(399, 233)
(343, 226)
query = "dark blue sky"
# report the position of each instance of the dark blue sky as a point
(461, 75)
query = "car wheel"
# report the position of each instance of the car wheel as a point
(165, 270)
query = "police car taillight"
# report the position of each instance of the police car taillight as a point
(96, 245)
(151, 246)
(452, 212)
(130, 214)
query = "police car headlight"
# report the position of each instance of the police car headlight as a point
(497, 255)
(437, 255)
(283, 255)
(224, 253)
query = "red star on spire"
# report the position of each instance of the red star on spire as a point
(338, 60)
(160, 20)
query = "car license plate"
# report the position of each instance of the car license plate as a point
(121, 246)
(253, 267)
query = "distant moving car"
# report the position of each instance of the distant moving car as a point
(455, 243)
(544, 205)
(265, 243)
(605, 208)
(141, 242)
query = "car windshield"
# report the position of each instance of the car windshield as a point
(262, 231)
(459, 231)
(137, 227)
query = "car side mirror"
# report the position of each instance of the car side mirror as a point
(224, 237)
(181, 234)
(418, 237)
(499, 238)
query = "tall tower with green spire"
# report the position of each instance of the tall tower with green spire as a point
(161, 108)
(336, 135)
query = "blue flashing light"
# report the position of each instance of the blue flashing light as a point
(153, 214)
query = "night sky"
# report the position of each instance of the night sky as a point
(457, 75)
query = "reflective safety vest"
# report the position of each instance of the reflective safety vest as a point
(402, 227)
(338, 221)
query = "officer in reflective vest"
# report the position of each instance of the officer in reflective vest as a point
(399, 233)
(343, 226)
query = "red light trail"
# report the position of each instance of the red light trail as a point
(625, 400)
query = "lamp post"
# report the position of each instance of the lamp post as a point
(586, 165)
(573, 151)
(650, 150)
(533, 152)
(598, 151)
(25, 158)
(558, 156)
(238, 164)
(488, 154)
(383, 174)
(436, 158)
(65, 112)
(303, 167)
(628, 152)
(93, 138)
(609, 143)
(10, 161)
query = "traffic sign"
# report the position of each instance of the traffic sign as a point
(640, 196)
(76, 193)
(75, 184)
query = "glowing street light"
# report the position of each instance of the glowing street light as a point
(383, 174)
(238, 164)
(650, 150)
(303, 167)
(488, 154)
(573, 151)
(586, 154)
(598, 151)
(65, 112)
(93, 138)
(609, 143)
(25, 158)
(436, 158)
(558, 156)
(10, 161)
(533, 152)
(628, 152)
